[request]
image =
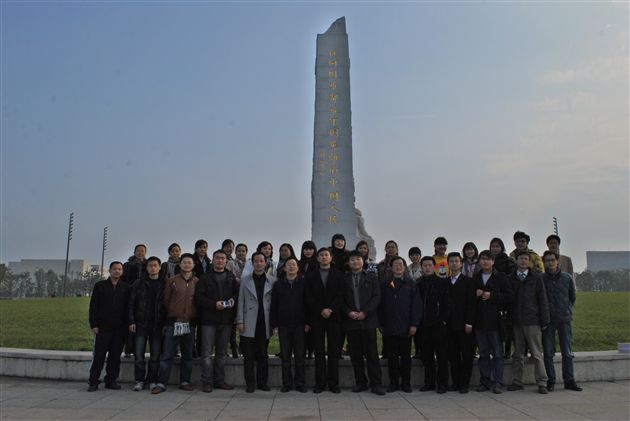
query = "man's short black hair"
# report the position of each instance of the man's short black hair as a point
(154, 258)
(440, 241)
(240, 245)
(323, 249)
(354, 253)
(220, 251)
(520, 253)
(391, 262)
(552, 237)
(185, 255)
(258, 253)
(139, 245)
(486, 254)
(454, 254)
(414, 250)
(115, 262)
(426, 258)
(521, 234)
(550, 253)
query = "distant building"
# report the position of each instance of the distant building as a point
(75, 267)
(607, 260)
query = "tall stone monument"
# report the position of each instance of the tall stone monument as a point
(332, 188)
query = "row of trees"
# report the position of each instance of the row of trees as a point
(603, 281)
(49, 284)
(44, 284)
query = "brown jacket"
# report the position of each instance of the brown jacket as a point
(179, 299)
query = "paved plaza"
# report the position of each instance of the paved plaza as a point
(45, 399)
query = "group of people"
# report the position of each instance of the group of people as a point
(448, 304)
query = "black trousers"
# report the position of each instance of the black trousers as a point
(363, 349)
(399, 360)
(255, 353)
(107, 343)
(292, 344)
(461, 348)
(326, 371)
(417, 344)
(434, 345)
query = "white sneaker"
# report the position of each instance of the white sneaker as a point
(138, 387)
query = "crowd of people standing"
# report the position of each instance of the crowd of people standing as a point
(448, 304)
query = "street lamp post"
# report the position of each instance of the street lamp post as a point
(104, 247)
(65, 274)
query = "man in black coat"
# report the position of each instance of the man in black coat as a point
(461, 317)
(108, 320)
(529, 313)
(215, 296)
(324, 295)
(146, 317)
(493, 292)
(435, 309)
(362, 296)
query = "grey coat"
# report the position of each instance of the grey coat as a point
(247, 310)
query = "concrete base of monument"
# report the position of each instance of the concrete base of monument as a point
(72, 365)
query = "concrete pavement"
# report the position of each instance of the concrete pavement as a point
(45, 399)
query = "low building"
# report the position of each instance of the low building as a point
(607, 260)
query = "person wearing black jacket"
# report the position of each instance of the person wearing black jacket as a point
(493, 293)
(529, 313)
(133, 270)
(308, 263)
(215, 297)
(108, 321)
(201, 259)
(145, 322)
(460, 343)
(288, 316)
(324, 295)
(362, 296)
(400, 314)
(433, 290)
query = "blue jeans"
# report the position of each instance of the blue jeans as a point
(155, 347)
(489, 344)
(565, 336)
(186, 343)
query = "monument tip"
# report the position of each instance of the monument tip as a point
(338, 26)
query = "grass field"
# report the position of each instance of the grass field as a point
(601, 320)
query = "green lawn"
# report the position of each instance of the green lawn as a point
(601, 321)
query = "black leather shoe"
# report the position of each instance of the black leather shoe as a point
(441, 390)
(452, 388)
(550, 386)
(359, 388)
(378, 390)
(406, 388)
(317, 389)
(542, 390)
(427, 388)
(335, 389)
(285, 389)
(482, 388)
(497, 390)
(572, 386)
(301, 389)
(264, 388)
(250, 389)
(392, 388)
(113, 386)
(92, 388)
(463, 389)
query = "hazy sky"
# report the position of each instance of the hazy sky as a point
(174, 121)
